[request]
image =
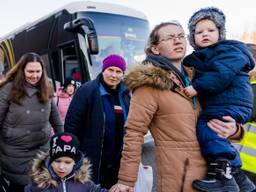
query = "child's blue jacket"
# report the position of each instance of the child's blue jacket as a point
(221, 74)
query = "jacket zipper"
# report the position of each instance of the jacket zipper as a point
(64, 182)
(103, 133)
(64, 185)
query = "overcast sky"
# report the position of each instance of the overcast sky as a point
(240, 14)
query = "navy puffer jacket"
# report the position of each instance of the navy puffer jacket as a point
(221, 74)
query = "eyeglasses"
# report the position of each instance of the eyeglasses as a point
(172, 38)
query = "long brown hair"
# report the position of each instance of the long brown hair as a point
(17, 76)
(153, 39)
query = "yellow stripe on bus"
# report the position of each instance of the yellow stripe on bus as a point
(11, 53)
(248, 162)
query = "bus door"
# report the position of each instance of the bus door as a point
(70, 63)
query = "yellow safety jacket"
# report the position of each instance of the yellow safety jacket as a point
(247, 147)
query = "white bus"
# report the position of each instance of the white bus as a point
(73, 39)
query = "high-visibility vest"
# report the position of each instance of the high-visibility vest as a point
(247, 147)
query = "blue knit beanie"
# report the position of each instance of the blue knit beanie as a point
(212, 13)
(115, 61)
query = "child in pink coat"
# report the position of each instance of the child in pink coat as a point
(64, 96)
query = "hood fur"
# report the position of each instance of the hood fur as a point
(148, 75)
(42, 177)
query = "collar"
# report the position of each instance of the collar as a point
(30, 90)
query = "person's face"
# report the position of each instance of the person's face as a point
(70, 89)
(112, 76)
(172, 43)
(63, 166)
(206, 33)
(33, 72)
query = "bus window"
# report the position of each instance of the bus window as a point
(3, 63)
(71, 63)
(127, 36)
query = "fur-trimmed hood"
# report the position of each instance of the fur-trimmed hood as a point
(148, 75)
(43, 178)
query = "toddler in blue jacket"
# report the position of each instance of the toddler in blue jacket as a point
(64, 169)
(221, 82)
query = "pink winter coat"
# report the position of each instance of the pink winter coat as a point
(62, 101)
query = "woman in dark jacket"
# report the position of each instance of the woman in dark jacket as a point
(26, 108)
(97, 115)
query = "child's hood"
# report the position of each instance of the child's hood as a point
(42, 177)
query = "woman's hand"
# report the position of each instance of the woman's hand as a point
(121, 188)
(225, 128)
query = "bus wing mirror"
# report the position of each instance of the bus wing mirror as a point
(84, 26)
(93, 42)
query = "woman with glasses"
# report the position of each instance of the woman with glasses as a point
(159, 105)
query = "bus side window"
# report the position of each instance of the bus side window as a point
(3, 64)
(70, 63)
(1, 69)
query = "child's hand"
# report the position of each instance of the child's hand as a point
(190, 91)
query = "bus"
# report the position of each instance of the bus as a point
(74, 39)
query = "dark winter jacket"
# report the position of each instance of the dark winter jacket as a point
(221, 74)
(24, 130)
(45, 180)
(86, 119)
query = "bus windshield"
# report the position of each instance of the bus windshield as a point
(118, 34)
